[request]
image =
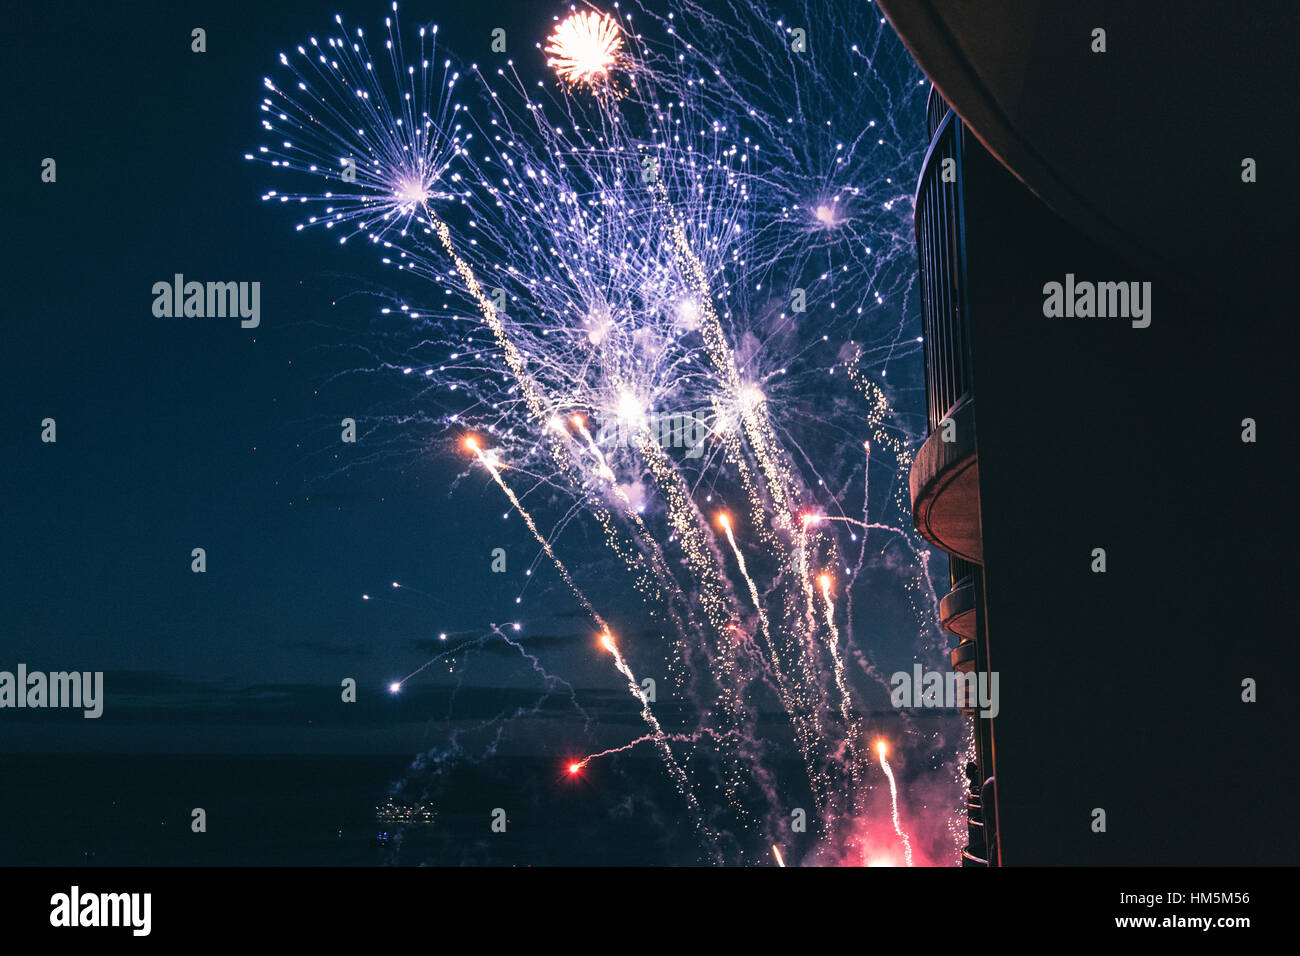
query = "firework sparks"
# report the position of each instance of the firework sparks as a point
(583, 303)
(387, 150)
(837, 668)
(584, 48)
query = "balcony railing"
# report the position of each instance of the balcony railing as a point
(935, 110)
(959, 569)
(941, 251)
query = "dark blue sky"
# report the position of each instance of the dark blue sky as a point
(183, 433)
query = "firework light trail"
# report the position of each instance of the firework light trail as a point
(691, 738)
(881, 750)
(658, 269)
(837, 668)
(488, 461)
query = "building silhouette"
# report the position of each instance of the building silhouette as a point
(1104, 298)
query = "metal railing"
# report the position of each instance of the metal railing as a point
(940, 248)
(959, 569)
(935, 110)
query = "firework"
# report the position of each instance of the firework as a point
(584, 48)
(881, 750)
(384, 140)
(597, 266)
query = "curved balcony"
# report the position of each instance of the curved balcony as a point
(945, 487)
(963, 657)
(957, 607)
(945, 473)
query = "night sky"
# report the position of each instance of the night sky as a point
(182, 433)
(373, 561)
(197, 433)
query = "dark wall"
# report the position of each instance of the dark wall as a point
(1123, 690)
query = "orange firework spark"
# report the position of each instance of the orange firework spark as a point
(584, 47)
(882, 750)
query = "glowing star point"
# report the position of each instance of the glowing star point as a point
(394, 687)
(410, 192)
(630, 409)
(574, 768)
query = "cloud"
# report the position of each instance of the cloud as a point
(325, 649)
(533, 643)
